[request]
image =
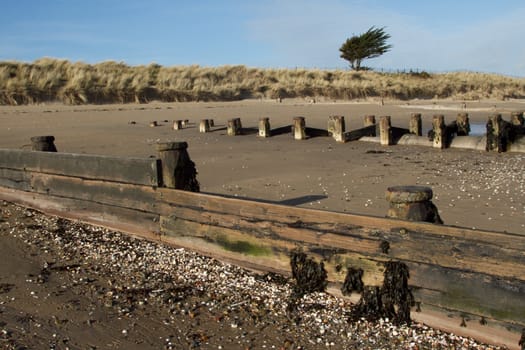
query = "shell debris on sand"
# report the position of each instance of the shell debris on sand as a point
(193, 301)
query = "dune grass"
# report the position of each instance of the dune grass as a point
(54, 80)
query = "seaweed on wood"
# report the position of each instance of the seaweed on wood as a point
(309, 275)
(392, 300)
(353, 281)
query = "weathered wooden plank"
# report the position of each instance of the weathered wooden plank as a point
(96, 191)
(356, 134)
(137, 222)
(278, 232)
(345, 221)
(15, 179)
(236, 243)
(408, 246)
(479, 294)
(476, 293)
(141, 171)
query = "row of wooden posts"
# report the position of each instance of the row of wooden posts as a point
(499, 132)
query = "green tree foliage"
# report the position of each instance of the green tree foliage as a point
(370, 44)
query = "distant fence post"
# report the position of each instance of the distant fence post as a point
(299, 126)
(498, 134)
(234, 127)
(43, 143)
(264, 127)
(204, 126)
(439, 128)
(463, 124)
(385, 134)
(336, 127)
(177, 125)
(415, 126)
(178, 171)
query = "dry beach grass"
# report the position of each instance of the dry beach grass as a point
(48, 80)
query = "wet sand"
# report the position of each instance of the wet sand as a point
(474, 189)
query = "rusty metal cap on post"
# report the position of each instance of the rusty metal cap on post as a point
(171, 146)
(408, 194)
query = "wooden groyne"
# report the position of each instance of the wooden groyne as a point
(500, 135)
(472, 277)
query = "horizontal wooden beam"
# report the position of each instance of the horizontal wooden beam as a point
(140, 171)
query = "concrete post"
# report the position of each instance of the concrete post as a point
(264, 127)
(299, 126)
(185, 122)
(385, 134)
(415, 126)
(516, 118)
(178, 171)
(177, 125)
(153, 124)
(412, 203)
(43, 143)
(369, 120)
(463, 124)
(439, 128)
(336, 127)
(204, 125)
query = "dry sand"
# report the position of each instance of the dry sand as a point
(471, 188)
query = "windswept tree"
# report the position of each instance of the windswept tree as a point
(370, 44)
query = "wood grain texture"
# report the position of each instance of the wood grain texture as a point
(141, 171)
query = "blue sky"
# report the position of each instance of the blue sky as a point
(437, 36)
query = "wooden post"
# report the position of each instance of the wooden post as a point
(493, 132)
(204, 125)
(412, 203)
(264, 127)
(238, 124)
(178, 171)
(385, 133)
(234, 126)
(43, 143)
(415, 126)
(336, 127)
(498, 134)
(439, 129)
(299, 126)
(177, 125)
(463, 124)
(516, 118)
(369, 120)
